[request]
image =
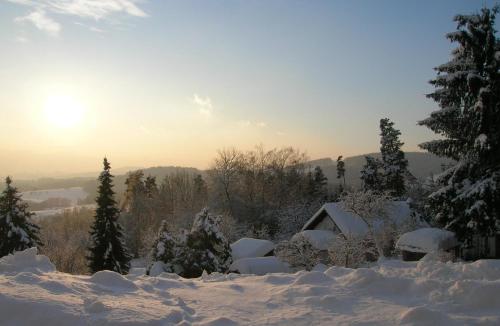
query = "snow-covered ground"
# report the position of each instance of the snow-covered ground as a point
(392, 293)
(73, 194)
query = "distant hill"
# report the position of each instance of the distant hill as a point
(420, 164)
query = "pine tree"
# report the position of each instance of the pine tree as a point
(467, 89)
(107, 250)
(371, 176)
(320, 183)
(394, 164)
(17, 232)
(341, 169)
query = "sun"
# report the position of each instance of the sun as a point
(63, 111)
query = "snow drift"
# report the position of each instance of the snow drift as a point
(392, 293)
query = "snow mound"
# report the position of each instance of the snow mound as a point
(426, 240)
(26, 261)
(313, 278)
(249, 247)
(390, 293)
(113, 280)
(423, 316)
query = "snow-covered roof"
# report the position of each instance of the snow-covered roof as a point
(249, 247)
(349, 223)
(427, 240)
(259, 266)
(320, 239)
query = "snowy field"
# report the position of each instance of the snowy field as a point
(393, 293)
(73, 194)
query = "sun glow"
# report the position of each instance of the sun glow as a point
(63, 111)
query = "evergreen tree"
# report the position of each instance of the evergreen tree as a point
(17, 232)
(167, 249)
(188, 254)
(107, 250)
(207, 248)
(371, 176)
(394, 164)
(200, 195)
(341, 169)
(467, 89)
(321, 183)
(150, 187)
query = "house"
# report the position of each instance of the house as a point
(332, 217)
(416, 244)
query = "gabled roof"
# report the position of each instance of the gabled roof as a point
(347, 222)
(397, 212)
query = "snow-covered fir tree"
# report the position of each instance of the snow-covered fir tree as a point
(467, 89)
(107, 250)
(203, 248)
(167, 250)
(371, 177)
(17, 232)
(206, 247)
(394, 163)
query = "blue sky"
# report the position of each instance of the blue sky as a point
(170, 82)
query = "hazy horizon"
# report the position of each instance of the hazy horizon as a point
(157, 83)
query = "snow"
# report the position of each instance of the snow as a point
(347, 222)
(390, 293)
(398, 212)
(427, 240)
(249, 247)
(320, 239)
(74, 194)
(259, 266)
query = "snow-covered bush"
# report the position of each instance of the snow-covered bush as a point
(188, 254)
(351, 251)
(299, 253)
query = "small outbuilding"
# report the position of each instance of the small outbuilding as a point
(251, 248)
(416, 244)
(259, 266)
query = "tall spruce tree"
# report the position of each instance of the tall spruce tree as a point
(394, 163)
(107, 250)
(467, 89)
(17, 232)
(371, 177)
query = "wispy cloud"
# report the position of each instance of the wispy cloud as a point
(98, 10)
(40, 20)
(248, 123)
(204, 105)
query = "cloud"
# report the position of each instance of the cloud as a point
(248, 123)
(204, 105)
(21, 39)
(97, 10)
(40, 20)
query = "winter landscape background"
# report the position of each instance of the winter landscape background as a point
(249, 163)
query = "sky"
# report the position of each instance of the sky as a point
(160, 82)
